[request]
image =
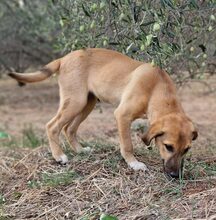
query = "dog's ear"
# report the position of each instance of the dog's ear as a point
(194, 135)
(154, 131)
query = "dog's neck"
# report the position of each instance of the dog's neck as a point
(163, 100)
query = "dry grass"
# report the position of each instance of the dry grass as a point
(35, 187)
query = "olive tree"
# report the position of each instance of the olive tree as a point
(27, 34)
(178, 35)
(175, 34)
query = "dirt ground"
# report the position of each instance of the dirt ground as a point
(34, 105)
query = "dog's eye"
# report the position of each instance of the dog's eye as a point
(186, 150)
(169, 147)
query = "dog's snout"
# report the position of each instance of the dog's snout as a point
(172, 168)
(174, 174)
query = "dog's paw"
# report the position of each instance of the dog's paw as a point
(62, 159)
(136, 165)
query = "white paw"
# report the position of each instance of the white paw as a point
(62, 159)
(136, 165)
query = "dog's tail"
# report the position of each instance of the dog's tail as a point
(37, 76)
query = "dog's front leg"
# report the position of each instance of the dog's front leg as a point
(123, 122)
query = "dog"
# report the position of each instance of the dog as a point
(136, 88)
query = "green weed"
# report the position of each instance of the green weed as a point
(56, 179)
(199, 169)
(2, 199)
(176, 190)
(33, 184)
(99, 145)
(89, 216)
(53, 179)
(9, 143)
(2, 217)
(30, 139)
(17, 195)
(112, 161)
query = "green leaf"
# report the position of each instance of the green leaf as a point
(85, 11)
(193, 4)
(107, 217)
(3, 135)
(175, 47)
(156, 27)
(170, 34)
(166, 3)
(61, 23)
(149, 39)
(2, 199)
(147, 23)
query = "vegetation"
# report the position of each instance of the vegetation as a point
(42, 188)
(172, 34)
(28, 34)
(177, 35)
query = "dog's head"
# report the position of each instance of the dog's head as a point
(173, 135)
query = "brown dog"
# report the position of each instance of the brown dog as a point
(136, 88)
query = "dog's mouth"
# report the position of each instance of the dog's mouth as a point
(174, 175)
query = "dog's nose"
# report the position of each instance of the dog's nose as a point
(174, 174)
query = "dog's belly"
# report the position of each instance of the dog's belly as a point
(106, 93)
(108, 86)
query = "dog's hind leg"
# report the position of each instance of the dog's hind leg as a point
(70, 129)
(68, 110)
